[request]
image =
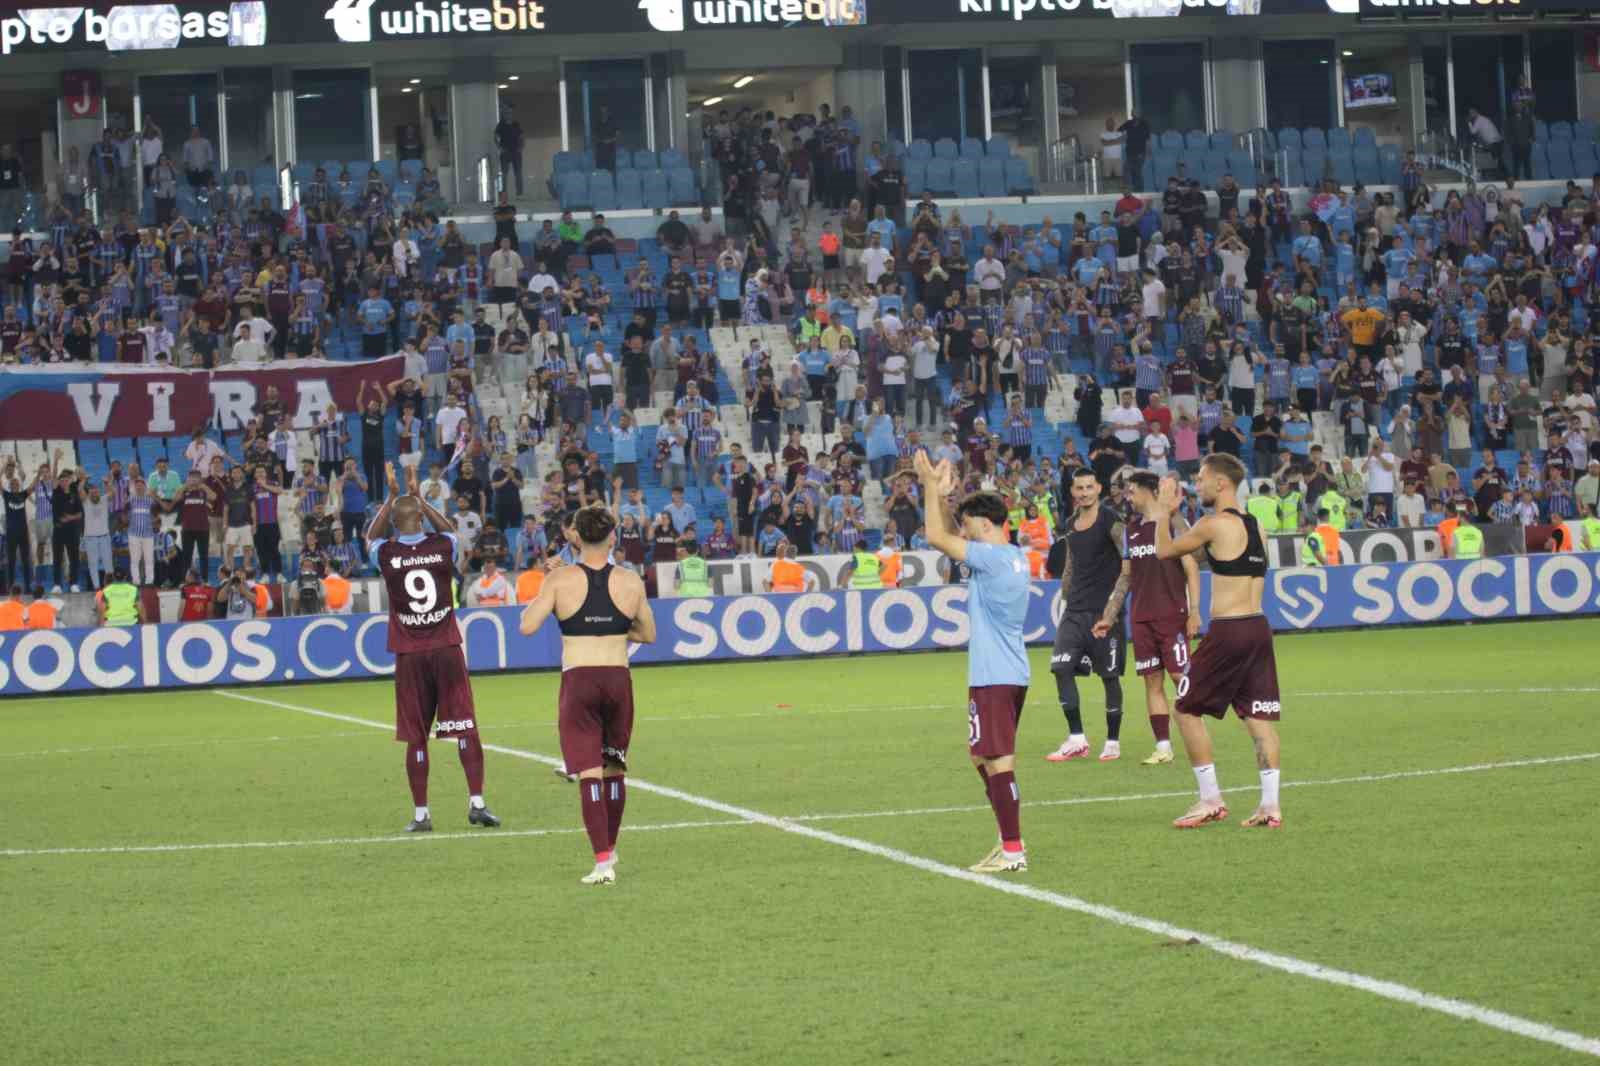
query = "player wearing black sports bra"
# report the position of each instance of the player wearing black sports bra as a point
(600, 609)
(1234, 665)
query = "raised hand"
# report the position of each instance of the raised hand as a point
(1168, 496)
(390, 479)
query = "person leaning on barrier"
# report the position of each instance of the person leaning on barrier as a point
(309, 596)
(42, 613)
(787, 575)
(1466, 541)
(336, 591)
(694, 577)
(118, 603)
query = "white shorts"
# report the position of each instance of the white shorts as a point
(1127, 264)
(238, 538)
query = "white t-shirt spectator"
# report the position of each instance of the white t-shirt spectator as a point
(894, 369)
(990, 274)
(891, 324)
(498, 590)
(1527, 316)
(468, 526)
(201, 452)
(1156, 450)
(1409, 508)
(599, 369)
(924, 361)
(1110, 145)
(96, 517)
(447, 421)
(872, 264)
(1154, 294)
(1127, 421)
(1484, 130)
(1378, 479)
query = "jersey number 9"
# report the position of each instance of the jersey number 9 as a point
(423, 591)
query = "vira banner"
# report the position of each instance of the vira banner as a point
(352, 647)
(76, 401)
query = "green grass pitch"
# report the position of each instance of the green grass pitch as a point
(734, 942)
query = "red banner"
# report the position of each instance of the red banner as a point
(75, 402)
(80, 93)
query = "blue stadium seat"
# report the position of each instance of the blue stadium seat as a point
(1290, 138)
(1391, 170)
(263, 178)
(916, 172)
(333, 166)
(1561, 131)
(1241, 166)
(897, 147)
(921, 149)
(602, 190)
(1541, 130)
(358, 168)
(1019, 179)
(1224, 141)
(1339, 137)
(682, 188)
(303, 172)
(964, 173)
(1292, 170)
(673, 159)
(1367, 170)
(971, 148)
(999, 146)
(562, 162)
(1561, 167)
(388, 170)
(1212, 166)
(644, 159)
(1171, 140)
(1313, 137)
(1584, 131)
(657, 193)
(992, 177)
(410, 170)
(1197, 140)
(946, 148)
(630, 189)
(940, 180)
(1314, 164)
(1539, 161)
(1365, 136)
(1270, 138)
(1344, 167)
(624, 158)
(1584, 159)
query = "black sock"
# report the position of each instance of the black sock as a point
(1067, 692)
(1113, 707)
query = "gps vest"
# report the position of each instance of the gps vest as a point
(122, 604)
(1289, 512)
(1467, 541)
(12, 615)
(788, 576)
(692, 577)
(1326, 538)
(1591, 529)
(867, 575)
(1335, 504)
(1265, 510)
(890, 574)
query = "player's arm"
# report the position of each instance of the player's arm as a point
(1191, 581)
(937, 482)
(541, 607)
(643, 630)
(1169, 546)
(1119, 591)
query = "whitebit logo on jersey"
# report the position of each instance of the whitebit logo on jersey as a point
(1301, 594)
(352, 19)
(665, 15)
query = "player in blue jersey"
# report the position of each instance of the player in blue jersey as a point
(997, 661)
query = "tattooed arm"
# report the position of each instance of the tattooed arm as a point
(1119, 591)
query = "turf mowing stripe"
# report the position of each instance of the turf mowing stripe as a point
(1391, 990)
(158, 745)
(393, 838)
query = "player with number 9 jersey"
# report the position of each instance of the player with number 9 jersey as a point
(432, 689)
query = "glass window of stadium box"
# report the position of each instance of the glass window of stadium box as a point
(333, 118)
(1376, 89)
(248, 121)
(1436, 86)
(1554, 70)
(531, 96)
(945, 94)
(1488, 68)
(1300, 81)
(717, 96)
(1169, 85)
(606, 108)
(170, 106)
(1016, 97)
(894, 94)
(1091, 89)
(28, 127)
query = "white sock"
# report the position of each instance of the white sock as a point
(1164, 745)
(422, 812)
(1269, 789)
(1206, 777)
(1077, 738)
(477, 802)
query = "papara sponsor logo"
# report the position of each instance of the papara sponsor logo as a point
(1141, 551)
(454, 725)
(353, 19)
(1265, 707)
(673, 16)
(432, 618)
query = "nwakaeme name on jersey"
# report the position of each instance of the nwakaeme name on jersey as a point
(429, 619)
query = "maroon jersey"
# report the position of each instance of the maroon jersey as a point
(1158, 586)
(194, 509)
(420, 579)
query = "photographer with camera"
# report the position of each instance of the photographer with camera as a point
(236, 594)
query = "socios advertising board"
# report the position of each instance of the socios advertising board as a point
(349, 647)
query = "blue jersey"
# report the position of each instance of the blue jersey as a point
(997, 606)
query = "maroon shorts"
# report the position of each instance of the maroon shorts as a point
(1161, 644)
(993, 712)
(1234, 666)
(595, 717)
(432, 692)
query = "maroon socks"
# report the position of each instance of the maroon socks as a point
(592, 796)
(417, 773)
(616, 799)
(1161, 726)
(1007, 804)
(471, 749)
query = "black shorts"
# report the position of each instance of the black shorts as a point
(728, 309)
(375, 345)
(1078, 651)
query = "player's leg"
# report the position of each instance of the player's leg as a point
(615, 779)
(459, 718)
(1113, 686)
(413, 716)
(1071, 634)
(616, 735)
(1264, 735)
(579, 723)
(1258, 704)
(1155, 702)
(1205, 690)
(993, 712)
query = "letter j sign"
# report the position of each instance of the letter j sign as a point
(80, 93)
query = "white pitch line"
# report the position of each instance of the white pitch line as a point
(393, 838)
(1390, 990)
